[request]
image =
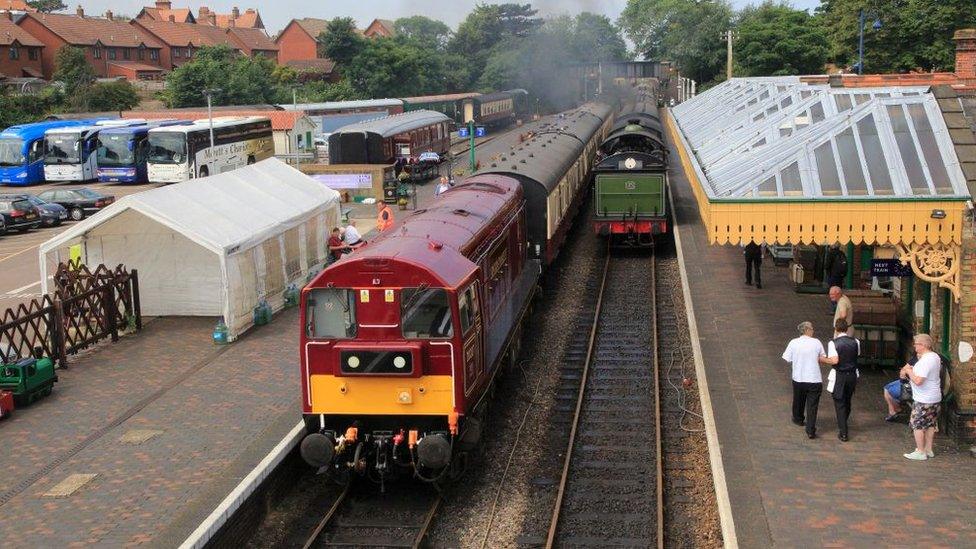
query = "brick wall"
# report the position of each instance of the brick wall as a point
(295, 44)
(965, 53)
(15, 67)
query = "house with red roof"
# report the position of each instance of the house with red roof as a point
(163, 10)
(181, 40)
(15, 6)
(380, 28)
(114, 48)
(20, 53)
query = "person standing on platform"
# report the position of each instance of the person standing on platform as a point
(836, 266)
(842, 353)
(753, 254)
(925, 377)
(804, 354)
(843, 308)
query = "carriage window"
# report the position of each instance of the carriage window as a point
(331, 312)
(468, 307)
(425, 313)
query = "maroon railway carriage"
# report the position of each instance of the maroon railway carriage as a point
(402, 339)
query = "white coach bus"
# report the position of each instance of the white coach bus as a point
(178, 153)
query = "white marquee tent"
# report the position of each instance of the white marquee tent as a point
(212, 246)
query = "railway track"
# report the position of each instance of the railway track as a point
(611, 489)
(398, 517)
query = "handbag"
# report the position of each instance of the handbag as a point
(906, 391)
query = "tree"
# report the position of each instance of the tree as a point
(595, 38)
(688, 32)
(340, 41)
(386, 67)
(775, 39)
(47, 6)
(241, 80)
(72, 69)
(423, 30)
(319, 91)
(119, 95)
(24, 108)
(489, 28)
(915, 34)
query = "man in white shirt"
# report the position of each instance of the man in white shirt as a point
(804, 354)
(351, 236)
(926, 396)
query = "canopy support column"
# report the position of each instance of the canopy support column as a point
(935, 263)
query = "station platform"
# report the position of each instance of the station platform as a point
(167, 422)
(786, 490)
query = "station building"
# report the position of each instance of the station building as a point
(883, 165)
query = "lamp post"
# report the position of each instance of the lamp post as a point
(209, 94)
(860, 46)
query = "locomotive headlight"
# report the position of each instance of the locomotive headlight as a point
(399, 362)
(353, 362)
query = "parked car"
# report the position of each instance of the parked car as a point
(79, 202)
(19, 213)
(51, 214)
(3, 225)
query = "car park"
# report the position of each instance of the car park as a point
(51, 214)
(19, 213)
(79, 202)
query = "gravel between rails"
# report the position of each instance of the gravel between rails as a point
(524, 507)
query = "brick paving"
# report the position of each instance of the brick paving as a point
(208, 404)
(787, 490)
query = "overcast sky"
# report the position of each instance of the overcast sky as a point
(277, 13)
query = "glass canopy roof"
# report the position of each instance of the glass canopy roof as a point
(779, 137)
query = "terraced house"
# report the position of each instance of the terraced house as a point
(114, 48)
(180, 41)
(20, 53)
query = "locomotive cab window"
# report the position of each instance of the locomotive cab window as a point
(425, 313)
(468, 307)
(330, 313)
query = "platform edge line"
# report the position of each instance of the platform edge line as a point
(230, 504)
(722, 500)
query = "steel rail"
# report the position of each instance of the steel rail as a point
(659, 466)
(327, 518)
(554, 522)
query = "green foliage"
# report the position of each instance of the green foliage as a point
(241, 80)
(915, 34)
(688, 32)
(775, 39)
(317, 91)
(489, 28)
(387, 67)
(73, 69)
(21, 109)
(340, 41)
(595, 38)
(119, 95)
(47, 6)
(424, 31)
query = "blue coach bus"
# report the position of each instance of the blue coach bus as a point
(22, 151)
(122, 152)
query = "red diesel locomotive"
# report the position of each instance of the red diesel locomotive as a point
(402, 339)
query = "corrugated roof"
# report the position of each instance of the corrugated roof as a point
(396, 123)
(253, 39)
(87, 31)
(185, 34)
(781, 137)
(10, 32)
(280, 120)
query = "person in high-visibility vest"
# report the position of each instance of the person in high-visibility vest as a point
(384, 217)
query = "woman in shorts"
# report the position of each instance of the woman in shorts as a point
(926, 395)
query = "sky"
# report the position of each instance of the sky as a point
(277, 13)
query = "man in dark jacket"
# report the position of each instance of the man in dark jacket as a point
(753, 253)
(836, 266)
(842, 353)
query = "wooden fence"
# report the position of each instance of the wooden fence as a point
(86, 307)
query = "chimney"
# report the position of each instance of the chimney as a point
(80, 11)
(172, 18)
(163, 4)
(965, 53)
(235, 13)
(109, 15)
(212, 19)
(204, 10)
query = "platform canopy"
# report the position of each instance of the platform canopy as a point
(211, 246)
(790, 162)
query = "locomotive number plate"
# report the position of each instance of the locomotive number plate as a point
(630, 185)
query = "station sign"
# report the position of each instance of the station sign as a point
(890, 267)
(479, 131)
